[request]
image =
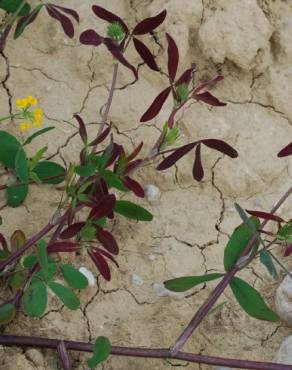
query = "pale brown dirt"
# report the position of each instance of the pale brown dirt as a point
(249, 42)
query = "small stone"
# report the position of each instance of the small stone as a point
(152, 193)
(35, 356)
(284, 300)
(137, 280)
(284, 355)
(160, 290)
(89, 275)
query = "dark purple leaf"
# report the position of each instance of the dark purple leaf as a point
(288, 251)
(156, 106)
(186, 77)
(134, 186)
(109, 16)
(25, 21)
(108, 255)
(107, 240)
(4, 36)
(83, 156)
(72, 230)
(82, 128)
(3, 243)
(221, 146)
(90, 37)
(117, 54)
(286, 151)
(101, 264)
(198, 171)
(63, 247)
(135, 152)
(104, 207)
(132, 165)
(175, 156)
(145, 54)
(208, 84)
(66, 22)
(149, 24)
(69, 11)
(101, 190)
(102, 136)
(173, 57)
(265, 215)
(208, 98)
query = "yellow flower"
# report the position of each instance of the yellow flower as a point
(24, 126)
(27, 102)
(37, 117)
(21, 103)
(31, 100)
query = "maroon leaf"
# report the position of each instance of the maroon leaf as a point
(102, 136)
(71, 12)
(173, 57)
(208, 84)
(175, 156)
(72, 230)
(134, 186)
(117, 54)
(66, 22)
(107, 240)
(103, 208)
(3, 243)
(82, 128)
(90, 37)
(100, 263)
(145, 54)
(114, 153)
(198, 171)
(149, 24)
(208, 98)
(265, 215)
(286, 151)
(156, 106)
(135, 152)
(288, 251)
(132, 165)
(3, 37)
(186, 77)
(25, 21)
(63, 247)
(101, 190)
(108, 255)
(109, 16)
(221, 146)
(82, 156)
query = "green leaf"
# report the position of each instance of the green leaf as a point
(17, 280)
(237, 242)
(285, 232)
(30, 260)
(184, 283)
(9, 146)
(16, 195)
(43, 257)
(87, 170)
(100, 222)
(34, 177)
(73, 277)
(67, 296)
(101, 351)
(50, 172)
(21, 165)
(132, 211)
(35, 298)
(37, 157)
(18, 31)
(251, 301)
(43, 130)
(48, 275)
(12, 5)
(267, 261)
(7, 313)
(113, 181)
(88, 232)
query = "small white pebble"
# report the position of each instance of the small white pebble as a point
(160, 290)
(152, 193)
(89, 275)
(137, 280)
(152, 257)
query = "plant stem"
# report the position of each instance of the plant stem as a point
(216, 293)
(11, 18)
(36, 342)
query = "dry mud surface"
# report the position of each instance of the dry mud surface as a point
(247, 41)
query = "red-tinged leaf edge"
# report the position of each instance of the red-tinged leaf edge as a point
(65, 22)
(210, 99)
(175, 156)
(4, 36)
(145, 54)
(265, 215)
(131, 166)
(288, 251)
(117, 54)
(108, 255)
(108, 16)
(69, 11)
(186, 76)
(72, 230)
(25, 21)
(58, 247)
(82, 128)
(100, 138)
(286, 151)
(134, 186)
(107, 240)
(135, 152)
(3, 243)
(156, 106)
(115, 152)
(103, 208)
(149, 24)
(198, 171)
(173, 57)
(100, 263)
(208, 84)
(90, 37)
(221, 146)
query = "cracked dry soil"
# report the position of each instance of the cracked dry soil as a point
(249, 42)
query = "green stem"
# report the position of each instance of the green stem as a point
(12, 17)
(11, 116)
